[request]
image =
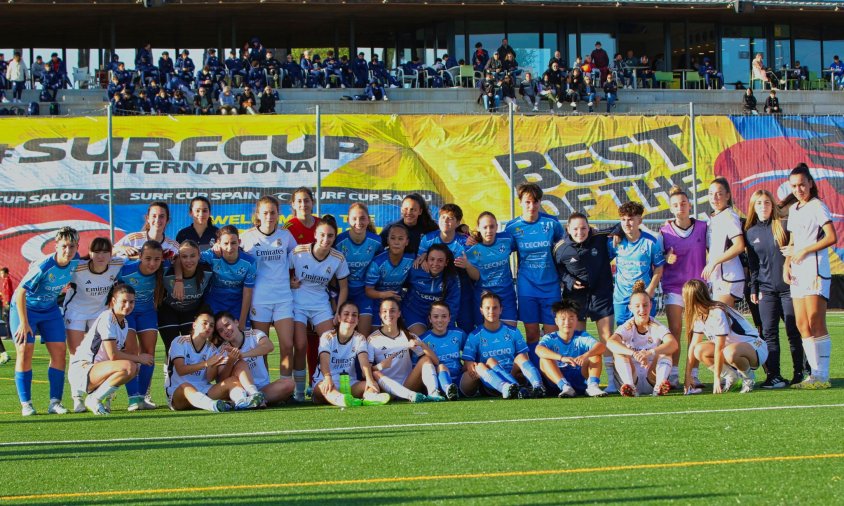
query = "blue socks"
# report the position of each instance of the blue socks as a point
(56, 379)
(531, 374)
(132, 387)
(23, 381)
(145, 378)
(444, 379)
(491, 380)
(534, 359)
(505, 375)
(594, 380)
(562, 384)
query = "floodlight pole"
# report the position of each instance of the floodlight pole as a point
(318, 160)
(110, 173)
(694, 158)
(510, 110)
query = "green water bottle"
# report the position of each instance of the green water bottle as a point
(345, 389)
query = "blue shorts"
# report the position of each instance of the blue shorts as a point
(141, 321)
(622, 312)
(594, 306)
(231, 305)
(411, 314)
(49, 324)
(536, 309)
(574, 377)
(364, 303)
(509, 306)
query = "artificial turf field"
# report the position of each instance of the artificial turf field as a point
(767, 447)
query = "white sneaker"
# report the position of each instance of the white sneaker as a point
(27, 409)
(730, 378)
(327, 86)
(5, 100)
(393, 86)
(343, 86)
(593, 390)
(95, 406)
(567, 391)
(590, 104)
(535, 108)
(573, 104)
(147, 403)
(747, 384)
(559, 104)
(386, 99)
(78, 405)
(4, 358)
(56, 408)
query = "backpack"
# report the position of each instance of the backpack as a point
(34, 109)
(437, 82)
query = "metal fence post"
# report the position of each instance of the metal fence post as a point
(510, 112)
(694, 157)
(109, 140)
(318, 160)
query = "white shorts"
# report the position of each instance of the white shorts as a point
(314, 315)
(761, 352)
(271, 313)
(80, 325)
(817, 286)
(640, 376)
(317, 379)
(672, 299)
(77, 376)
(204, 388)
(720, 288)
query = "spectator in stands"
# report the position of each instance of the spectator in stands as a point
(511, 66)
(161, 103)
(761, 73)
(749, 102)
(709, 74)
(124, 103)
(837, 69)
(333, 71)
(570, 90)
(623, 75)
(273, 68)
(248, 105)
(588, 93)
(203, 103)
(38, 70)
(228, 102)
(449, 61)
(629, 62)
(601, 61)
(347, 77)
(772, 103)
(529, 91)
(50, 84)
(180, 103)
(214, 65)
(312, 75)
(555, 77)
(58, 66)
(495, 66)
(234, 66)
(247, 94)
(166, 68)
(375, 91)
(267, 101)
(152, 89)
(144, 65)
(800, 73)
(360, 68)
(379, 72)
(186, 68)
(319, 71)
(590, 69)
(508, 91)
(126, 78)
(578, 64)
(480, 57)
(548, 91)
(647, 74)
(114, 87)
(489, 96)
(577, 77)
(205, 80)
(111, 67)
(143, 104)
(256, 50)
(257, 76)
(558, 59)
(4, 84)
(505, 48)
(610, 92)
(292, 73)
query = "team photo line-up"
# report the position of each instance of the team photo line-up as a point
(428, 310)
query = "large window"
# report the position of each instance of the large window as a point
(643, 39)
(782, 46)
(738, 48)
(588, 40)
(488, 33)
(807, 47)
(526, 43)
(831, 47)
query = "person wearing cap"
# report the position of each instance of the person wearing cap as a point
(480, 57)
(214, 65)
(235, 69)
(709, 74)
(600, 61)
(496, 66)
(165, 67)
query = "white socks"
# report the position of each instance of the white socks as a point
(103, 391)
(608, 365)
(663, 369)
(199, 400)
(236, 394)
(299, 380)
(822, 349)
(625, 370)
(429, 378)
(393, 388)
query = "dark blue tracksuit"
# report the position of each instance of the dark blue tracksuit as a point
(766, 262)
(589, 263)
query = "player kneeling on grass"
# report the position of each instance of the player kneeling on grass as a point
(100, 365)
(642, 348)
(493, 353)
(446, 342)
(338, 349)
(569, 356)
(389, 349)
(247, 351)
(193, 363)
(732, 348)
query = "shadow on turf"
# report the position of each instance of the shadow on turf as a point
(83, 450)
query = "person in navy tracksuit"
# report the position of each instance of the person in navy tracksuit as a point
(234, 66)
(360, 68)
(165, 67)
(143, 64)
(186, 68)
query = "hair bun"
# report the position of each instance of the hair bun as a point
(639, 286)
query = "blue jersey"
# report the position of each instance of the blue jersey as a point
(634, 261)
(144, 285)
(45, 280)
(386, 277)
(457, 246)
(425, 289)
(447, 348)
(358, 256)
(493, 262)
(503, 345)
(230, 278)
(580, 343)
(535, 241)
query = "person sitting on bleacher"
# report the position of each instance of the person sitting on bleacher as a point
(125, 77)
(180, 103)
(205, 81)
(529, 91)
(38, 70)
(610, 92)
(589, 93)
(333, 71)
(161, 103)
(375, 91)
(203, 103)
(508, 92)
(480, 57)
(152, 89)
(124, 104)
(548, 91)
(319, 72)
(555, 78)
(749, 102)
(709, 73)
(143, 104)
(165, 67)
(273, 68)
(247, 105)
(558, 59)
(800, 73)
(570, 89)
(213, 64)
(143, 64)
(257, 76)
(58, 66)
(772, 103)
(312, 75)
(489, 95)
(379, 72)
(256, 50)
(510, 66)
(495, 66)
(4, 84)
(110, 67)
(186, 68)
(837, 68)
(623, 75)
(234, 66)
(228, 101)
(114, 87)
(449, 61)
(293, 77)
(647, 74)
(245, 95)
(414, 66)
(347, 77)
(50, 84)
(267, 101)
(360, 68)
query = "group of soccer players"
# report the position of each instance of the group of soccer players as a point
(427, 311)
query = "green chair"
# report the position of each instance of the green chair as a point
(817, 81)
(663, 78)
(693, 77)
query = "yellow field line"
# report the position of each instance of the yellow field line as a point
(371, 481)
(34, 381)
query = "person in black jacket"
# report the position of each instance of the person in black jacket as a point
(508, 92)
(490, 98)
(772, 104)
(765, 234)
(529, 90)
(610, 92)
(267, 101)
(749, 103)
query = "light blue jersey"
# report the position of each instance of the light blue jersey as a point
(503, 345)
(493, 262)
(358, 256)
(144, 285)
(580, 343)
(634, 261)
(534, 242)
(457, 246)
(45, 280)
(384, 276)
(447, 348)
(229, 279)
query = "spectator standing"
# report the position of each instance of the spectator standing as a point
(360, 68)
(772, 103)
(228, 102)
(16, 74)
(601, 61)
(610, 92)
(256, 50)
(837, 69)
(480, 57)
(4, 84)
(749, 102)
(529, 91)
(506, 49)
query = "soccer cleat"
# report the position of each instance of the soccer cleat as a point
(628, 391)
(373, 399)
(4, 358)
(730, 378)
(594, 390)
(510, 391)
(248, 402)
(95, 406)
(812, 383)
(222, 406)
(56, 408)
(451, 392)
(747, 385)
(693, 390)
(774, 382)
(79, 405)
(559, 104)
(539, 392)
(435, 398)
(417, 398)
(27, 409)
(260, 399)
(662, 389)
(525, 393)
(567, 391)
(146, 403)
(797, 378)
(135, 403)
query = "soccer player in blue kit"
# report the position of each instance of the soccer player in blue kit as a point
(34, 309)
(538, 284)
(234, 276)
(493, 352)
(447, 343)
(386, 275)
(360, 245)
(491, 258)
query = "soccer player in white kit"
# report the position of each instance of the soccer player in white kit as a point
(339, 348)
(808, 272)
(724, 272)
(100, 365)
(722, 339)
(272, 298)
(315, 266)
(642, 348)
(155, 222)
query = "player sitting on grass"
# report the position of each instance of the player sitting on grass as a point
(389, 349)
(569, 356)
(493, 353)
(446, 342)
(338, 350)
(247, 351)
(100, 366)
(732, 343)
(642, 348)
(193, 363)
